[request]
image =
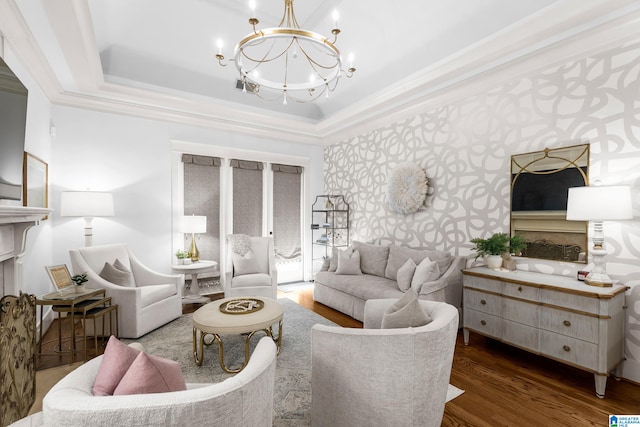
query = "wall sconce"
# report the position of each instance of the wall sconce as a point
(87, 204)
(598, 204)
(194, 224)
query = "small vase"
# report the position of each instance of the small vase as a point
(493, 261)
(81, 288)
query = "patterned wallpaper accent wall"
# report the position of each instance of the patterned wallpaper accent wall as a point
(465, 148)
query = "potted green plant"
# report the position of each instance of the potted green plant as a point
(80, 280)
(492, 249)
(182, 256)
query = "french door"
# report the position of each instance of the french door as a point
(247, 197)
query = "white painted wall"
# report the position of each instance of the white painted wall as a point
(131, 157)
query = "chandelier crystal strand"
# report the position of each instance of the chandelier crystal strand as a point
(286, 55)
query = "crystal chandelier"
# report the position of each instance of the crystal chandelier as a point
(287, 61)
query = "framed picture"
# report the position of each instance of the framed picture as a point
(35, 182)
(60, 277)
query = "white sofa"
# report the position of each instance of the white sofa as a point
(383, 377)
(379, 264)
(154, 300)
(246, 399)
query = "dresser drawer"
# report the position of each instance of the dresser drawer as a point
(483, 323)
(572, 350)
(569, 300)
(521, 291)
(482, 283)
(523, 336)
(519, 311)
(571, 324)
(484, 302)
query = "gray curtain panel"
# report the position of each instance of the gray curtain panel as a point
(287, 181)
(247, 197)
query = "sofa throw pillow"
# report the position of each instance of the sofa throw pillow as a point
(426, 271)
(245, 264)
(117, 274)
(151, 374)
(398, 255)
(333, 261)
(405, 274)
(115, 362)
(373, 258)
(405, 313)
(348, 262)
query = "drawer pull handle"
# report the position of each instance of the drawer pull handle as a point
(566, 323)
(483, 323)
(566, 348)
(519, 288)
(483, 302)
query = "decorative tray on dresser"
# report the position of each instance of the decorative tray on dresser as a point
(554, 316)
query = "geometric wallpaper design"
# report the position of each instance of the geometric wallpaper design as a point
(465, 149)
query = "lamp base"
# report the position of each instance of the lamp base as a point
(598, 279)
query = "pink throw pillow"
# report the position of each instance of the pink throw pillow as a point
(151, 374)
(115, 363)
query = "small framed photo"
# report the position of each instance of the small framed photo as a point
(60, 277)
(35, 182)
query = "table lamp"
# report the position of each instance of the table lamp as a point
(598, 204)
(194, 224)
(87, 204)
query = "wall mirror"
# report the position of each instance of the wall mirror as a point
(540, 182)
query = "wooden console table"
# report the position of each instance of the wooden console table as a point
(88, 305)
(554, 316)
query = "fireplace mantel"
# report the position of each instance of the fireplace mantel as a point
(19, 214)
(15, 223)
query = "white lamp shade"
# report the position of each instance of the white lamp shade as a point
(86, 203)
(599, 203)
(193, 224)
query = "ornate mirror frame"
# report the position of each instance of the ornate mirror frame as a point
(539, 187)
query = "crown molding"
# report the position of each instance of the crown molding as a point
(545, 38)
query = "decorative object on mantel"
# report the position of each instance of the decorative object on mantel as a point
(599, 203)
(407, 188)
(498, 248)
(87, 204)
(288, 61)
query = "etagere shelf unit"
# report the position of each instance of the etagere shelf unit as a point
(329, 226)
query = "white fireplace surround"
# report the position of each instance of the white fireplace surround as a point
(15, 223)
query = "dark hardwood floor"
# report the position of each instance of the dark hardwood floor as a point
(504, 386)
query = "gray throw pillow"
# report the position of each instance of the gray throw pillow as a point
(118, 276)
(348, 262)
(333, 261)
(405, 313)
(373, 258)
(405, 274)
(245, 264)
(426, 271)
(398, 255)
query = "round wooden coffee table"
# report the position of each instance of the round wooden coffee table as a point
(241, 316)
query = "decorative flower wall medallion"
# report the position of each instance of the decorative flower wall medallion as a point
(407, 188)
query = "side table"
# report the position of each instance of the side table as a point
(89, 305)
(191, 293)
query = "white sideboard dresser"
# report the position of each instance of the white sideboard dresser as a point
(555, 316)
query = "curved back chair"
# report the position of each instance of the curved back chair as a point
(365, 377)
(254, 274)
(246, 399)
(149, 301)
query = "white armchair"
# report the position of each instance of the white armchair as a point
(258, 279)
(246, 399)
(153, 300)
(371, 376)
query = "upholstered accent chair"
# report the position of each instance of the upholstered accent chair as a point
(253, 273)
(246, 399)
(372, 376)
(146, 299)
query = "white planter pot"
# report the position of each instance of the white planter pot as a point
(493, 261)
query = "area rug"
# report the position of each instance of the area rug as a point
(292, 396)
